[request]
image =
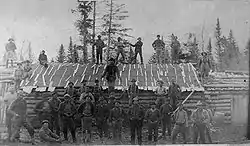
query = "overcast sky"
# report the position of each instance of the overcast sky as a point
(49, 23)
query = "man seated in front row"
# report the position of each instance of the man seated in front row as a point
(46, 135)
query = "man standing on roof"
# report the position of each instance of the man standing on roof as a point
(99, 46)
(138, 49)
(158, 46)
(133, 91)
(200, 119)
(27, 70)
(46, 135)
(152, 118)
(67, 111)
(18, 76)
(10, 54)
(43, 59)
(136, 116)
(18, 109)
(102, 115)
(116, 118)
(174, 93)
(204, 65)
(161, 93)
(165, 111)
(120, 46)
(181, 122)
(111, 72)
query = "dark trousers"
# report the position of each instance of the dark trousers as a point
(208, 135)
(68, 124)
(111, 86)
(140, 53)
(102, 126)
(8, 123)
(166, 124)
(18, 122)
(199, 130)
(173, 102)
(117, 129)
(178, 128)
(55, 124)
(98, 55)
(153, 131)
(136, 127)
(120, 51)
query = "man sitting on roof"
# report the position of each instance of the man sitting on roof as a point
(27, 70)
(161, 93)
(43, 59)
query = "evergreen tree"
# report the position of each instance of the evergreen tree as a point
(75, 57)
(194, 56)
(234, 49)
(70, 51)
(246, 51)
(218, 48)
(210, 52)
(118, 16)
(61, 54)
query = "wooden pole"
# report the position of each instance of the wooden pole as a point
(110, 26)
(94, 19)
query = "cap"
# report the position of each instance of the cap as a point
(99, 36)
(43, 51)
(10, 39)
(119, 38)
(133, 80)
(96, 81)
(45, 121)
(139, 38)
(158, 36)
(112, 59)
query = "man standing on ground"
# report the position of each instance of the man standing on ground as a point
(158, 46)
(54, 103)
(200, 119)
(99, 46)
(165, 111)
(43, 59)
(18, 76)
(152, 117)
(161, 93)
(138, 49)
(67, 111)
(181, 122)
(133, 91)
(18, 109)
(111, 72)
(136, 116)
(174, 92)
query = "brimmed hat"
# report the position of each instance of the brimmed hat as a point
(96, 81)
(111, 59)
(158, 36)
(199, 103)
(99, 36)
(119, 38)
(70, 83)
(160, 81)
(135, 99)
(66, 96)
(45, 121)
(10, 39)
(43, 51)
(133, 80)
(139, 38)
(19, 63)
(204, 53)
